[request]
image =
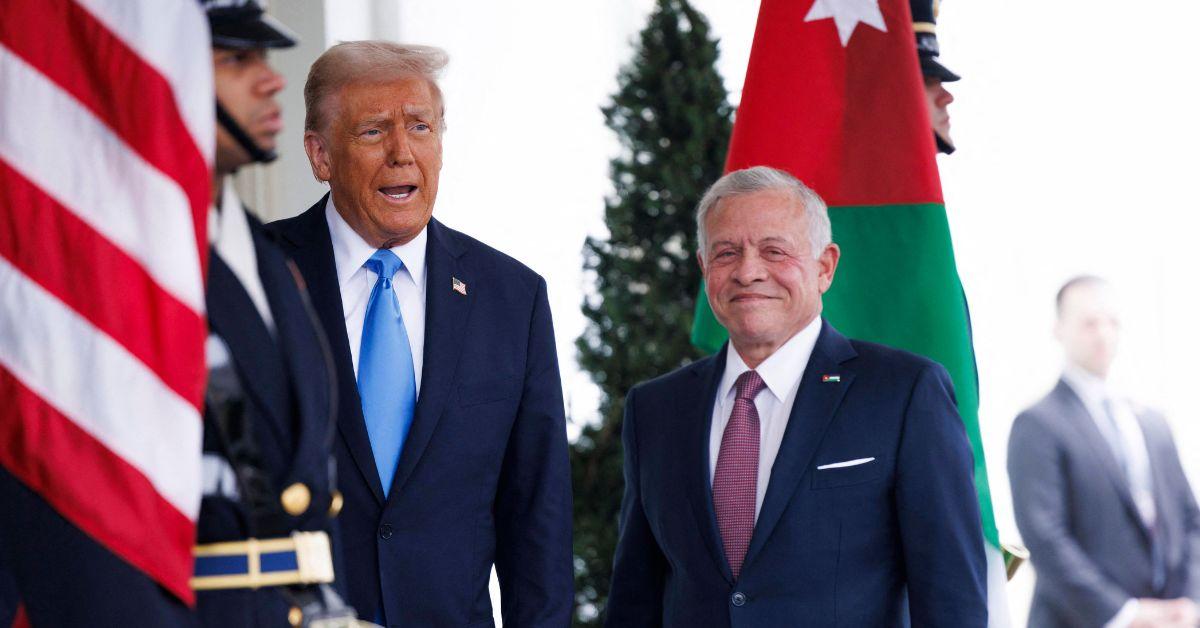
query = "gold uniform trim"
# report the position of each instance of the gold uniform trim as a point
(295, 499)
(313, 561)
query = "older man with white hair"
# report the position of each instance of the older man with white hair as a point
(452, 444)
(797, 477)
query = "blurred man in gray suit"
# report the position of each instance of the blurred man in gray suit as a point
(1100, 497)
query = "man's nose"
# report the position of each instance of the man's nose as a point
(399, 150)
(272, 82)
(750, 268)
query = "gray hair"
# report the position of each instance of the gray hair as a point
(766, 179)
(368, 61)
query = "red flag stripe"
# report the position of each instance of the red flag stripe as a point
(856, 135)
(105, 140)
(93, 488)
(172, 36)
(71, 47)
(94, 174)
(104, 389)
(101, 282)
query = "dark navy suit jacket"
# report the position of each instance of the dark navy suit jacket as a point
(483, 476)
(290, 403)
(832, 547)
(1076, 513)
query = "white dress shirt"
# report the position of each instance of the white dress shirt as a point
(229, 234)
(350, 252)
(1128, 438)
(781, 372)
(1128, 443)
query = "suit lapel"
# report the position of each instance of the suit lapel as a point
(1085, 425)
(256, 356)
(697, 426)
(1166, 508)
(313, 253)
(814, 407)
(302, 348)
(445, 327)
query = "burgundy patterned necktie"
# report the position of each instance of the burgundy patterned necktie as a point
(735, 483)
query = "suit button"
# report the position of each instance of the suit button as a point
(739, 599)
(385, 531)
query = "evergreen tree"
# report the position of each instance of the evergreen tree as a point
(673, 118)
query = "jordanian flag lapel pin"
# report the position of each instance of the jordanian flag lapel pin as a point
(825, 379)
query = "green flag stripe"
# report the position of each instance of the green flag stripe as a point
(707, 334)
(897, 285)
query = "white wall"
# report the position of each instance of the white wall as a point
(286, 187)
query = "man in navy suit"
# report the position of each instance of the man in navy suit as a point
(452, 451)
(796, 478)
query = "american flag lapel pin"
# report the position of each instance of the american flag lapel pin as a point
(458, 286)
(825, 379)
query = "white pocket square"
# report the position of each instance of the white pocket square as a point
(848, 463)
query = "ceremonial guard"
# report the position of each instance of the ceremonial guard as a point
(924, 14)
(265, 539)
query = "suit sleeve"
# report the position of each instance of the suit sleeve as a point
(61, 576)
(533, 501)
(1192, 525)
(1040, 503)
(639, 567)
(9, 600)
(1187, 502)
(940, 529)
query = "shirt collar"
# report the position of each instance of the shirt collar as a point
(1088, 386)
(350, 251)
(782, 370)
(227, 214)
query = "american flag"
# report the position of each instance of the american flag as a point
(106, 137)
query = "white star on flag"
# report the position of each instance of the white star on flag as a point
(847, 14)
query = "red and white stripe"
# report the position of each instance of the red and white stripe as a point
(106, 138)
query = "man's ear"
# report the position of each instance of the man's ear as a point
(828, 262)
(700, 260)
(318, 155)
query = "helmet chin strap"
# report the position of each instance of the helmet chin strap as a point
(943, 145)
(256, 152)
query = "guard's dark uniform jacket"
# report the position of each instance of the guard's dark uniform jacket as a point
(267, 428)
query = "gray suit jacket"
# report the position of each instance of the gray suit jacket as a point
(1077, 516)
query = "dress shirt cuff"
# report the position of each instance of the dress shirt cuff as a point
(1125, 616)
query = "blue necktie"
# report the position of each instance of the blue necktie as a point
(386, 378)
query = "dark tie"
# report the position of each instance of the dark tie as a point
(735, 482)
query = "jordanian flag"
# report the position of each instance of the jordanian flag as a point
(834, 95)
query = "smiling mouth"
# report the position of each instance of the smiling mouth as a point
(399, 192)
(744, 298)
